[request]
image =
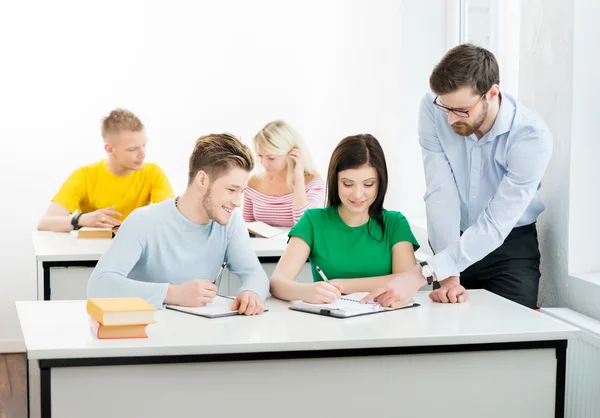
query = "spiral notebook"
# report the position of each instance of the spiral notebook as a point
(220, 307)
(347, 306)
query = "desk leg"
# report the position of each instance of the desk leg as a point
(561, 376)
(40, 280)
(34, 392)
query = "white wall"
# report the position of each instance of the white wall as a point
(424, 42)
(584, 222)
(558, 79)
(545, 85)
(331, 68)
(495, 25)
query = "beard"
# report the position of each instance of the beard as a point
(207, 204)
(467, 129)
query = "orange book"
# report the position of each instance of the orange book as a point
(117, 331)
(90, 232)
(121, 311)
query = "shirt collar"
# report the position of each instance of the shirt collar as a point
(504, 119)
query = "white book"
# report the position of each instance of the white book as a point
(346, 307)
(263, 230)
(218, 308)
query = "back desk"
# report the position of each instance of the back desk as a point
(64, 263)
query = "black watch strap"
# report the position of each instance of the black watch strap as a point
(75, 221)
(429, 277)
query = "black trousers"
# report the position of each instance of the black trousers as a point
(511, 270)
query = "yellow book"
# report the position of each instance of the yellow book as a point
(121, 311)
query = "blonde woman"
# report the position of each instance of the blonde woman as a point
(289, 185)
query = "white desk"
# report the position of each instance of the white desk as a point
(489, 357)
(65, 263)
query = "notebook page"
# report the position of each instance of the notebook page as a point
(218, 306)
(357, 297)
(349, 304)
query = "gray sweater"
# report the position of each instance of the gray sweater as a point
(157, 246)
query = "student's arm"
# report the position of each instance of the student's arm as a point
(247, 209)
(242, 261)
(109, 278)
(283, 280)
(161, 188)
(58, 219)
(315, 198)
(442, 202)
(526, 161)
(403, 258)
(58, 215)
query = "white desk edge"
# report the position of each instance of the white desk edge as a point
(486, 318)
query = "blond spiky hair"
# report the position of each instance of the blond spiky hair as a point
(120, 120)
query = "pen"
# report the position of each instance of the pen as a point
(218, 278)
(322, 274)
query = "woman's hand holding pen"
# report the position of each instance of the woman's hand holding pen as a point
(192, 294)
(321, 292)
(339, 284)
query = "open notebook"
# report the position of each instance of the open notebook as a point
(346, 307)
(262, 230)
(220, 307)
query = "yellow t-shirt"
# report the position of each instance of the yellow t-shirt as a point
(94, 187)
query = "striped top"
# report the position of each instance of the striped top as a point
(277, 210)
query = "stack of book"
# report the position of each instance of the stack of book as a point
(120, 317)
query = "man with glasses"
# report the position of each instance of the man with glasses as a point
(484, 155)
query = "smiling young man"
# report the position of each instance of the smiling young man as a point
(171, 252)
(104, 193)
(484, 155)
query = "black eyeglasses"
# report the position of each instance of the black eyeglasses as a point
(459, 113)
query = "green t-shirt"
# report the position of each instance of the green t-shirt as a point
(345, 252)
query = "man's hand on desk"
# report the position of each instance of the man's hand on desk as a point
(101, 218)
(450, 291)
(191, 294)
(248, 303)
(399, 290)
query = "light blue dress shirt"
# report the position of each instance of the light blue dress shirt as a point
(483, 187)
(157, 246)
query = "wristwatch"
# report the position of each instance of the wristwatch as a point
(427, 272)
(75, 221)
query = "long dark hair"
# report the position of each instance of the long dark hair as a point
(353, 152)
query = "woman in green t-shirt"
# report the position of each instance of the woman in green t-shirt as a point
(358, 245)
